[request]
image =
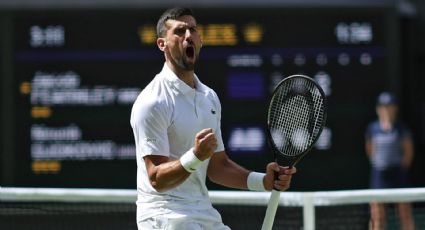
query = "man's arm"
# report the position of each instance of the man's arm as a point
(368, 147)
(165, 174)
(408, 152)
(222, 170)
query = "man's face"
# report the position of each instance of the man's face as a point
(182, 42)
(387, 111)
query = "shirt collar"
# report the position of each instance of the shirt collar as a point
(180, 85)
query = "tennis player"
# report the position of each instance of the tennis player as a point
(176, 125)
(389, 146)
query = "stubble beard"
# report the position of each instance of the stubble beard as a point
(184, 65)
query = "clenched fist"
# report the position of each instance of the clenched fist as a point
(205, 144)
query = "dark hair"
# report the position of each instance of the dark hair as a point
(173, 14)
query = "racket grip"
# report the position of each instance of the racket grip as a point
(271, 210)
(276, 176)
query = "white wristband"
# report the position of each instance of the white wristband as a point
(255, 181)
(189, 161)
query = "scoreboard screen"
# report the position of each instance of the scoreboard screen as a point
(76, 73)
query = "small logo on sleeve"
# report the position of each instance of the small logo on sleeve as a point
(150, 140)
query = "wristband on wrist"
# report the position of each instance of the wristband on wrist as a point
(189, 161)
(255, 181)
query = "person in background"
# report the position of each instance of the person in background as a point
(176, 125)
(389, 147)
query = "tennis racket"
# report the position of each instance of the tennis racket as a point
(295, 119)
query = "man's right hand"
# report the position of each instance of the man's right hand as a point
(205, 144)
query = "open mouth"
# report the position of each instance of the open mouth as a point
(190, 51)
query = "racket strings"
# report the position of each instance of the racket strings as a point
(296, 116)
(293, 121)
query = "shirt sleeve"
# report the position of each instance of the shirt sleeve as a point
(149, 120)
(405, 131)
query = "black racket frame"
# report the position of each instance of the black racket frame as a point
(293, 160)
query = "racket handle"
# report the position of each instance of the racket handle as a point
(271, 210)
(276, 177)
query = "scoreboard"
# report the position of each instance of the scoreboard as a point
(75, 74)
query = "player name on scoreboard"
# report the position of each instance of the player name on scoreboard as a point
(64, 88)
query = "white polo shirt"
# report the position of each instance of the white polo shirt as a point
(165, 119)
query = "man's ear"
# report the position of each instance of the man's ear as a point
(161, 43)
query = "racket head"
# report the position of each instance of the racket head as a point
(296, 117)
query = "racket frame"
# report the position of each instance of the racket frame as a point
(293, 160)
(275, 196)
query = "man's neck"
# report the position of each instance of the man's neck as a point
(386, 124)
(187, 76)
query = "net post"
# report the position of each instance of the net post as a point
(308, 211)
